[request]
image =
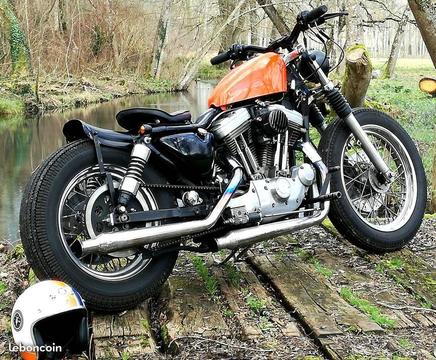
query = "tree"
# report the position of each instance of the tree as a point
(19, 50)
(425, 15)
(358, 71)
(161, 38)
(275, 17)
(395, 48)
(191, 68)
(62, 16)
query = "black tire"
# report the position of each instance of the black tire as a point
(43, 244)
(342, 214)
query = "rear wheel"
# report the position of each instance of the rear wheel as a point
(372, 214)
(67, 201)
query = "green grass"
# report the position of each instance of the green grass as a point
(323, 270)
(233, 275)
(3, 288)
(308, 257)
(405, 344)
(209, 281)
(212, 72)
(400, 96)
(255, 304)
(228, 313)
(366, 307)
(10, 106)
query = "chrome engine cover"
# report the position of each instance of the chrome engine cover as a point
(273, 197)
(231, 124)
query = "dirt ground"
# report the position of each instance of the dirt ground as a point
(309, 295)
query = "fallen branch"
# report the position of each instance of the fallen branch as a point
(395, 307)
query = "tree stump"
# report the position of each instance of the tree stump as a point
(358, 70)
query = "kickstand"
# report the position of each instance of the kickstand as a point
(237, 258)
(108, 175)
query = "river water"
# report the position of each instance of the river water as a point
(25, 143)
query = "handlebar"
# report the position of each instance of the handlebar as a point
(306, 17)
(220, 58)
(237, 52)
(305, 20)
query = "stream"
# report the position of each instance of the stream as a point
(26, 142)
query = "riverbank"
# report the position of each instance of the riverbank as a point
(27, 96)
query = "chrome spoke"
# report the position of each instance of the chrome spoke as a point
(383, 206)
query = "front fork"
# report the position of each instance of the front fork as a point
(338, 102)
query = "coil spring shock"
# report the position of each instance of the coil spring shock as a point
(132, 180)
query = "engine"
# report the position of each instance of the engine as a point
(260, 138)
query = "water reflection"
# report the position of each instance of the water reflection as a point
(24, 143)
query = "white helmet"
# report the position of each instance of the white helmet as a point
(49, 320)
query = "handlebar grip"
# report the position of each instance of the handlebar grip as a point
(312, 15)
(220, 58)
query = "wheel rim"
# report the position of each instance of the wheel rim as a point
(74, 224)
(383, 207)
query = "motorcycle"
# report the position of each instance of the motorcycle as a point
(109, 212)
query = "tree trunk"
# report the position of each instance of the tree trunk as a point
(161, 39)
(19, 49)
(226, 40)
(62, 16)
(395, 48)
(275, 17)
(425, 15)
(433, 182)
(358, 70)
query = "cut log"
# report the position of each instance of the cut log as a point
(357, 76)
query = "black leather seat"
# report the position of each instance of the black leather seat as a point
(132, 119)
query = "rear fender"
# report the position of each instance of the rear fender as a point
(77, 129)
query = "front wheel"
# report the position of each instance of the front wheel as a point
(371, 214)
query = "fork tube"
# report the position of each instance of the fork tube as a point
(344, 111)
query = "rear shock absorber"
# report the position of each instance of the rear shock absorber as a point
(132, 180)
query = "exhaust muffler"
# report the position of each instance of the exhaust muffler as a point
(110, 242)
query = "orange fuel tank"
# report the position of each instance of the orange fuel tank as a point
(263, 75)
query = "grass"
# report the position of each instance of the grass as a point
(3, 288)
(366, 307)
(233, 275)
(255, 304)
(394, 263)
(400, 96)
(11, 107)
(308, 257)
(209, 281)
(212, 72)
(405, 344)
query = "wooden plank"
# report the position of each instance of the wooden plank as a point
(244, 283)
(190, 311)
(131, 328)
(317, 304)
(363, 281)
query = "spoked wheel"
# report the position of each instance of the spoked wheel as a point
(67, 201)
(383, 206)
(372, 213)
(84, 213)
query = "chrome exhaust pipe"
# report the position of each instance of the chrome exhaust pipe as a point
(249, 236)
(110, 242)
